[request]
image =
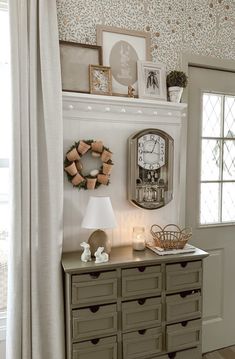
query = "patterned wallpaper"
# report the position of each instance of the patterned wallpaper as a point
(205, 27)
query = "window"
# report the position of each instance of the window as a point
(217, 182)
(5, 116)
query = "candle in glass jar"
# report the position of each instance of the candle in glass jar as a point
(138, 239)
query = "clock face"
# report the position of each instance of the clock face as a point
(151, 151)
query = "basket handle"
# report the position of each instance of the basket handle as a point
(152, 230)
(172, 225)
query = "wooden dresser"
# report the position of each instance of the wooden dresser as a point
(138, 305)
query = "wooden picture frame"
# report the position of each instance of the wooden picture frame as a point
(100, 80)
(152, 80)
(75, 59)
(121, 49)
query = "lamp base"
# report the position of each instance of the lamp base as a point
(99, 239)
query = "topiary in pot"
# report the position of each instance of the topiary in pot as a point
(176, 82)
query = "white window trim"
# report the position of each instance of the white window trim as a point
(3, 323)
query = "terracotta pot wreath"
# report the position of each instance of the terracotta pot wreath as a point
(74, 168)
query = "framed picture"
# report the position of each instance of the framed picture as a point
(121, 50)
(75, 60)
(152, 80)
(100, 80)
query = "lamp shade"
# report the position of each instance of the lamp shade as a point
(99, 214)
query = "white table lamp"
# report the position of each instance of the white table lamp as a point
(99, 215)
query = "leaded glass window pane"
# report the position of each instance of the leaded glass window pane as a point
(217, 180)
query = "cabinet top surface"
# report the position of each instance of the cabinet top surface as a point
(125, 256)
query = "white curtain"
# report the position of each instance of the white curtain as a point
(35, 328)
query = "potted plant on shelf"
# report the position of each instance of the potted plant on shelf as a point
(176, 82)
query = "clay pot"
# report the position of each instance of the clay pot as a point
(73, 155)
(106, 156)
(97, 146)
(103, 179)
(79, 166)
(71, 169)
(77, 179)
(83, 147)
(107, 168)
(90, 184)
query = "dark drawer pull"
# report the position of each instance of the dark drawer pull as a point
(94, 308)
(95, 275)
(141, 301)
(95, 341)
(184, 324)
(141, 269)
(142, 331)
(186, 293)
(183, 264)
(172, 355)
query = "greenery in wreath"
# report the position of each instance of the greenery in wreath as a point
(73, 166)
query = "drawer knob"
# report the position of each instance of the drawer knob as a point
(172, 355)
(142, 331)
(95, 341)
(141, 301)
(184, 324)
(185, 294)
(183, 264)
(94, 308)
(141, 269)
(94, 275)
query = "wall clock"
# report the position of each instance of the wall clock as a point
(150, 168)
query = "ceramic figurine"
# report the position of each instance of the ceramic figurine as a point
(101, 257)
(131, 91)
(86, 254)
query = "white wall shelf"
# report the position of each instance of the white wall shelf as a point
(121, 108)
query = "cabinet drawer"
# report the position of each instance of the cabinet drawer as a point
(183, 275)
(183, 335)
(186, 305)
(184, 354)
(141, 281)
(96, 349)
(95, 321)
(141, 313)
(94, 287)
(141, 343)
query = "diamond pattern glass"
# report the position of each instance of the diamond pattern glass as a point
(228, 202)
(210, 160)
(229, 116)
(211, 116)
(209, 209)
(229, 160)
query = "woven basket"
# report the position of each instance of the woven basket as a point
(170, 236)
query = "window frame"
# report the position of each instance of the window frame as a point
(220, 181)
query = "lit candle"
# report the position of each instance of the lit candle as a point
(138, 238)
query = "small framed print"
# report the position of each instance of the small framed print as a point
(100, 80)
(75, 59)
(152, 80)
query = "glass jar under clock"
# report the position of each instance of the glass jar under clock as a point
(150, 168)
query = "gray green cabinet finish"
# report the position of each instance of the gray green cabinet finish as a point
(136, 306)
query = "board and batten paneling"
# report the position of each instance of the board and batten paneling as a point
(113, 120)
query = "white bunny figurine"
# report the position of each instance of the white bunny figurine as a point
(86, 254)
(101, 257)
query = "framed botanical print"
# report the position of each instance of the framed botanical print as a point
(152, 80)
(75, 59)
(121, 50)
(100, 80)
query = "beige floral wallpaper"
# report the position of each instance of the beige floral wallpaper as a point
(205, 27)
